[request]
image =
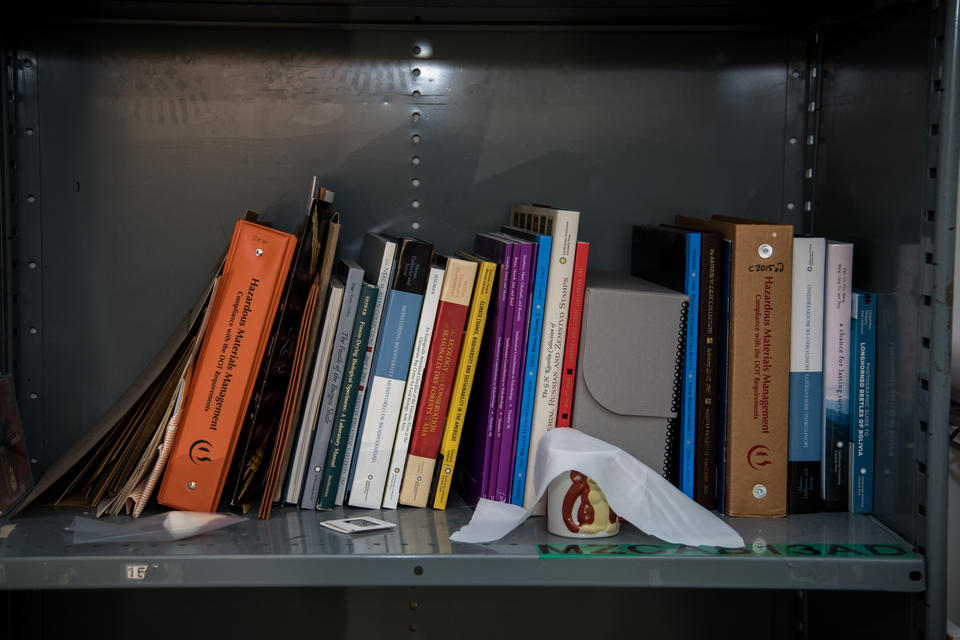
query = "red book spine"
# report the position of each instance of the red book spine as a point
(439, 375)
(565, 407)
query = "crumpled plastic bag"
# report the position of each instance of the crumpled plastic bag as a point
(172, 525)
(633, 490)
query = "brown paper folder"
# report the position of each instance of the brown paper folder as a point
(758, 373)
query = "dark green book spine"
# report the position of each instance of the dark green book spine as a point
(333, 465)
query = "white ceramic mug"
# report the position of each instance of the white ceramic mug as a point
(577, 508)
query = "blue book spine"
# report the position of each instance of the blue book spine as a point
(542, 262)
(723, 357)
(383, 398)
(688, 405)
(862, 381)
(806, 376)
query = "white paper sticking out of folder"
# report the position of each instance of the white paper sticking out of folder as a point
(633, 490)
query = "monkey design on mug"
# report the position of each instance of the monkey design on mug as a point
(594, 514)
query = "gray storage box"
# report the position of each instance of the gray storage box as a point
(630, 351)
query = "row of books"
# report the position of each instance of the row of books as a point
(302, 379)
(759, 298)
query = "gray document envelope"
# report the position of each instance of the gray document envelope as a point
(631, 348)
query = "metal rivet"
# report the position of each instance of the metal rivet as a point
(839, 444)
(415, 182)
(415, 159)
(790, 206)
(759, 491)
(34, 396)
(415, 225)
(31, 198)
(29, 131)
(415, 116)
(33, 331)
(795, 73)
(759, 545)
(415, 138)
(416, 73)
(793, 140)
(415, 94)
(34, 460)
(418, 571)
(765, 251)
(415, 204)
(318, 469)
(32, 264)
(191, 485)
(258, 252)
(417, 50)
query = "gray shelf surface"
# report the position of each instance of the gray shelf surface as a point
(813, 551)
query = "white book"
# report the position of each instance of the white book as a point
(562, 226)
(377, 260)
(408, 410)
(308, 422)
(352, 276)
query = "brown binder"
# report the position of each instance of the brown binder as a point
(758, 372)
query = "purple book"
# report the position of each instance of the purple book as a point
(514, 352)
(499, 250)
(511, 265)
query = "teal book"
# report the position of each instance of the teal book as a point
(862, 383)
(348, 397)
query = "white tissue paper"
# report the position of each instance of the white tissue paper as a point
(633, 490)
(172, 525)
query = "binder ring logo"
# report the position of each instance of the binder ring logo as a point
(759, 456)
(765, 251)
(200, 451)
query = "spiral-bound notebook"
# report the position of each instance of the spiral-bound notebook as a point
(629, 374)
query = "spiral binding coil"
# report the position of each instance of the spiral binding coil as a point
(671, 450)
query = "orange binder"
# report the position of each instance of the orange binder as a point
(226, 369)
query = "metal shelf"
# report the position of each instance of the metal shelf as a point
(815, 551)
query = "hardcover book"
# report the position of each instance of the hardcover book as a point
(438, 380)
(378, 259)
(836, 375)
(541, 261)
(333, 467)
(571, 349)
(246, 302)
(462, 385)
(862, 385)
(758, 377)
(411, 393)
(352, 276)
(562, 225)
(806, 375)
(671, 257)
(391, 364)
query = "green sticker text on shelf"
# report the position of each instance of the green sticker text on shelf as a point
(763, 551)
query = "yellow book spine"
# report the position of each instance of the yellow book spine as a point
(466, 368)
